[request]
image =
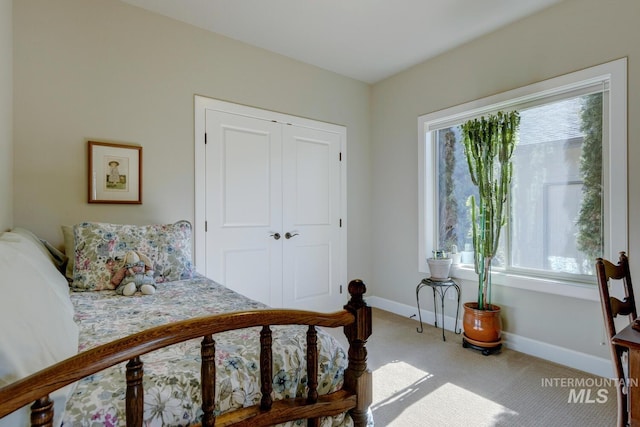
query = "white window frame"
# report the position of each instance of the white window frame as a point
(614, 178)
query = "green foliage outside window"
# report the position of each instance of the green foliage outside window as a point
(589, 223)
(448, 209)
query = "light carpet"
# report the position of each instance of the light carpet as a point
(419, 380)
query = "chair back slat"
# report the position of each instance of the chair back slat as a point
(623, 308)
(609, 274)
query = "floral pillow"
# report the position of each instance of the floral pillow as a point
(100, 249)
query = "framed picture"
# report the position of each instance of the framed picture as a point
(115, 173)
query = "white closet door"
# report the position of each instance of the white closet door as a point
(311, 216)
(270, 189)
(244, 205)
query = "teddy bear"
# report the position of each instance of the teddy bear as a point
(135, 275)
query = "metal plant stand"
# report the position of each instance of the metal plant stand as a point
(441, 287)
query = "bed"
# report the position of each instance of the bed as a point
(142, 360)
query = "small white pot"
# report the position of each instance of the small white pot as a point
(455, 258)
(467, 257)
(439, 268)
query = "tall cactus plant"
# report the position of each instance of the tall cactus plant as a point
(488, 146)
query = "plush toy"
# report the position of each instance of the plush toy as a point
(135, 275)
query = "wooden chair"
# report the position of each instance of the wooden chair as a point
(612, 307)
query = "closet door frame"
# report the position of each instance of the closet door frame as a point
(201, 105)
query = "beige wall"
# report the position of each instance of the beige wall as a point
(6, 114)
(105, 70)
(572, 35)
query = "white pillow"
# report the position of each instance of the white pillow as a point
(36, 317)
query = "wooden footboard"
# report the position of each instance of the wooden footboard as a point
(354, 397)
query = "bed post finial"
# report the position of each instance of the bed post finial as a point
(357, 377)
(356, 289)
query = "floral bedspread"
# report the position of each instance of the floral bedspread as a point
(172, 375)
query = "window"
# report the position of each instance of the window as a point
(567, 201)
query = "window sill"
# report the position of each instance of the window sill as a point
(549, 286)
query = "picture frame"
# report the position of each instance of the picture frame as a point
(115, 173)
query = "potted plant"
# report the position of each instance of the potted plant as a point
(439, 265)
(488, 145)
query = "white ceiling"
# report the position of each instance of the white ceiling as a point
(367, 40)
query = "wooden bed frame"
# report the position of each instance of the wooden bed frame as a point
(354, 397)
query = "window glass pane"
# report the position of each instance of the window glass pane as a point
(555, 200)
(454, 189)
(557, 170)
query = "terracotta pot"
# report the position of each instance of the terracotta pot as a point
(482, 326)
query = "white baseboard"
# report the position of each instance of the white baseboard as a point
(553, 353)
(412, 312)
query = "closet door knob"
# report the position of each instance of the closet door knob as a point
(276, 236)
(289, 235)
